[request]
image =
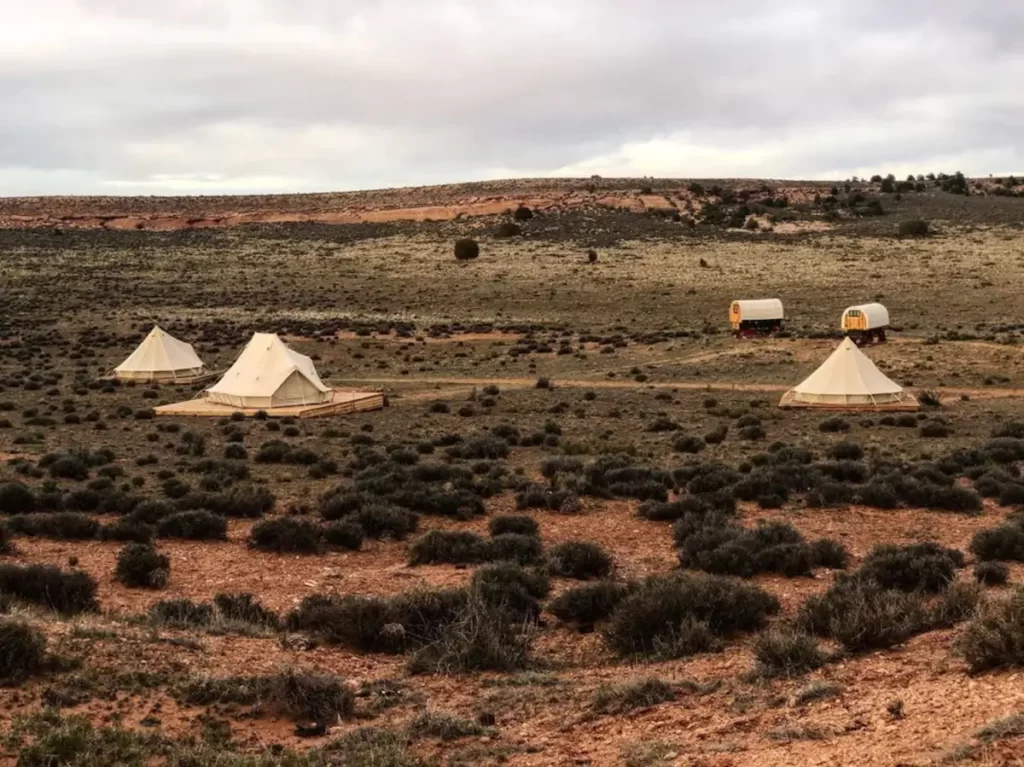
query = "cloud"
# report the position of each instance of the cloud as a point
(116, 96)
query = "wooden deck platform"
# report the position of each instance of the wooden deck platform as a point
(193, 381)
(342, 401)
(908, 405)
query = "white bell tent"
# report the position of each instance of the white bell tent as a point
(848, 380)
(161, 358)
(267, 374)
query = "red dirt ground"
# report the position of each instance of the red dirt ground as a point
(729, 727)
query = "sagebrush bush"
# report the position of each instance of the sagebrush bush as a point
(589, 603)
(151, 512)
(22, 652)
(995, 638)
(507, 586)
(925, 567)
(181, 613)
(64, 592)
(620, 699)
(16, 498)
(285, 535)
(245, 608)
(582, 560)
(991, 573)
(141, 566)
(447, 727)
(829, 553)
(512, 547)
(466, 249)
(60, 525)
(787, 652)
(346, 534)
(914, 227)
(374, 624)
(482, 638)
(861, 615)
(845, 451)
(194, 525)
(834, 425)
(127, 530)
(520, 524)
(676, 615)
(311, 696)
(715, 545)
(449, 546)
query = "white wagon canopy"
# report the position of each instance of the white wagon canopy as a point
(848, 380)
(757, 309)
(161, 358)
(267, 374)
(865, 317)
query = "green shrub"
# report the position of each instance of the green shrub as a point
(60, 525)
(181, 613)
(829, 553)
(716, 546)
(1005, 542)
(22, 652)
(64, 592)
(579, 559)
(509, 587)
(621, 699)
(787, 652)
(589, 603)
(924, 567)
(16, 498)
(310, 696)
(141, 566)
(914, 227)
(991, 573)
(508, 229)
(845, 451)
(449, 546)
(676, 615)
(834, 425)
(285, 535)
(995, 638)
(245, 608)
(195, 525)
(519, 524)
(431, 724)
(482, 638)
(151, 512)
(512, 547)
(346, 534)
(127, 530)
(862, 616)
(466, 249)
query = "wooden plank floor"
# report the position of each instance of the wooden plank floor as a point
(342, 401)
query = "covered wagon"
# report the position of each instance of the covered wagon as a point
(756, 317)
(866, 323)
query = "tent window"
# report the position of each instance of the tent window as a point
(855, 312)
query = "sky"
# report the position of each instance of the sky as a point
(259, 96)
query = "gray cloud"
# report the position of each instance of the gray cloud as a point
(111, 96)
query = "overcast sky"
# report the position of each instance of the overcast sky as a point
(187, 96)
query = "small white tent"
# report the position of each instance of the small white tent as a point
(161, 358)
(848, 380)
(267, 374)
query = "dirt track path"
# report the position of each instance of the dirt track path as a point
(578, 383)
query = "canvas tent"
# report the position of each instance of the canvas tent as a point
(161, 358)
(267, 374)
(848, 380)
